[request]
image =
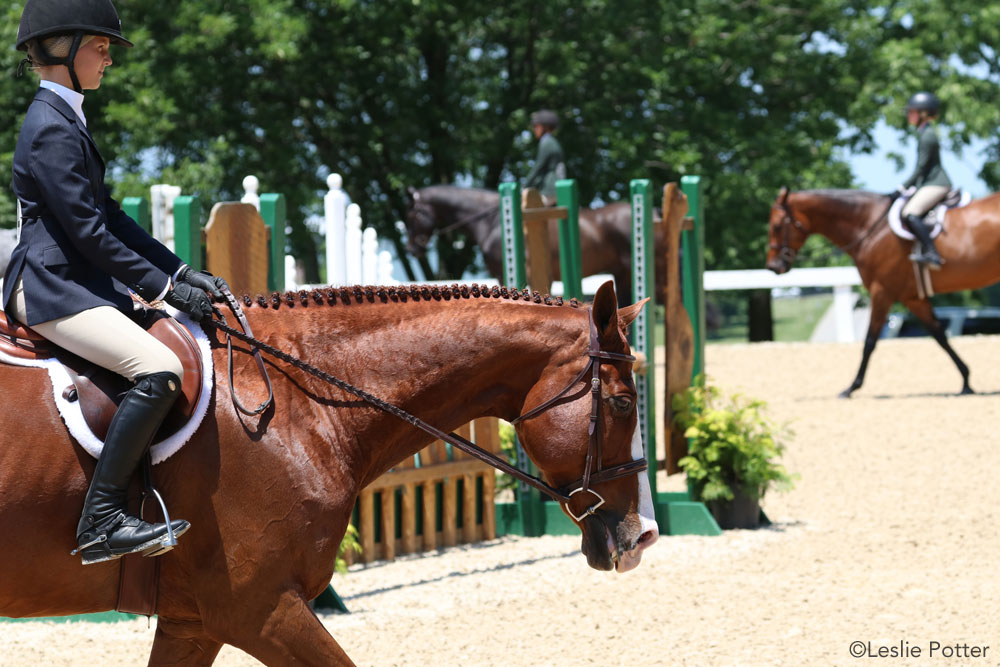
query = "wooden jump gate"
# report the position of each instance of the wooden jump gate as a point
(439, 498)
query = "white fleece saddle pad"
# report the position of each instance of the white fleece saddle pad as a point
(77, 425)
(934, 217)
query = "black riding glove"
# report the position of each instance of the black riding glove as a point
(203, 281)
(190, 300)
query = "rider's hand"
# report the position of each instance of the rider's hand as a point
(203, 281)
(190, 300)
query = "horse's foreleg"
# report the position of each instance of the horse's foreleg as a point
(925, 313)
(880, 311)
(291, 634)
(182, 644)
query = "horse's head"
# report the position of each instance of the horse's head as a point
(420, 223)
(615, 511)
(786, 234)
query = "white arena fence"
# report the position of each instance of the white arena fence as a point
(841, 278)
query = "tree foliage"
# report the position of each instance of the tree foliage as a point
(752, 95)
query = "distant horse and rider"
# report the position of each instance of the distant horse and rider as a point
(605, 232)
(857, 223)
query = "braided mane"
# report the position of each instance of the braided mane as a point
(359, 294)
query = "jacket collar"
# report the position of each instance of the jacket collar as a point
(59, 104)
(71, 97)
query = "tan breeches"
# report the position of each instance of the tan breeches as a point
(107, 337)
(924, 199)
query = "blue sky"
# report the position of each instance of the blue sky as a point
(878, 174)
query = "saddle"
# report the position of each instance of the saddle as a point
(934, 218)
(98, 390)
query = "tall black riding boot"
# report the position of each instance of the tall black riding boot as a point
(928, 252)
(106, 530)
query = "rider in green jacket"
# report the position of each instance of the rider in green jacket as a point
(928, 177)
(550, 165)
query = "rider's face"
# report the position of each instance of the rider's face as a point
(913, 116)
(90, 62)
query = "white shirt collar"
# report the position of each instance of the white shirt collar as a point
(71, 97)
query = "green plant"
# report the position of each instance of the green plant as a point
(731, 444)
(349, 543)
(508, 447)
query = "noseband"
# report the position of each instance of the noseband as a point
(563, 495)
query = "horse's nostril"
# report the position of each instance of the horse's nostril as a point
(647, 539)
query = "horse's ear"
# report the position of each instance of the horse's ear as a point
(627, 315)
(412, 193)
(783, 195)
(606, 311)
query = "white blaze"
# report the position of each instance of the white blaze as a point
(646, 513)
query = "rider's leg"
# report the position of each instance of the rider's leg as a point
(912, 214)
(105, 524)
(107, 337)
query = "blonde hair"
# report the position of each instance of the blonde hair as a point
(57, 46)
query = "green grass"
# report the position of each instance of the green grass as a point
(794, 320)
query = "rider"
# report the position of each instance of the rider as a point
(931, 181)
(550, 165)
(78, 255)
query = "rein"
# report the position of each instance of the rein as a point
(785, 250)
(563, 495)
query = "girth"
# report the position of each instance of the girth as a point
(99, 390)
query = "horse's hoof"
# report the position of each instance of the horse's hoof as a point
(845, 394)
(966, 391)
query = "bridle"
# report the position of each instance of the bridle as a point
(593, 473)
(590, 474)
(788, 220)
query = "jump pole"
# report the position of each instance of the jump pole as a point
(676, 513)
(532, 516)
(693, 269)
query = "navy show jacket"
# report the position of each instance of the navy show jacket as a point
(78, 249)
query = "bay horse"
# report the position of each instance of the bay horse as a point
(857, 223)
(605, 232)
(269, 497)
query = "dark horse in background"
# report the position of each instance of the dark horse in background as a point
(269, 497)
(605, 233)
(857, 223)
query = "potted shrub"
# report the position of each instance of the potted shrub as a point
(733, 452)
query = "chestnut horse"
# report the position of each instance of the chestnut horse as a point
(605, 232)
(856, 222)
(269, 497)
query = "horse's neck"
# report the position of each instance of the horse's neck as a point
(845, 223)
(444, 362)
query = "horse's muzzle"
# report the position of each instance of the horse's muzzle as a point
(778, 265)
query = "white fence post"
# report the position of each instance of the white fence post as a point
(385, 269)
(251, 187)
(352, 245)
(369, 256)
(335, 212)
(161, 199)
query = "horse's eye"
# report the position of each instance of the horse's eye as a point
(621, 404)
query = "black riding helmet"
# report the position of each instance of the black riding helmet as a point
(924, 101)
(545, 117)
(49, 18)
